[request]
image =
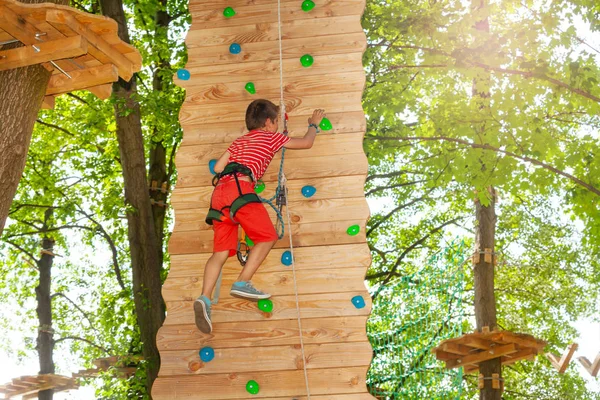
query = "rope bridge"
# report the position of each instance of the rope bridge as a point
(409, 318)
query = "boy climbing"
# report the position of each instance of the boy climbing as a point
(235, 202)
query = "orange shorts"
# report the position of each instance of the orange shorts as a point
(253, 218)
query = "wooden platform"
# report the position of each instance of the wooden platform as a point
(330, 264)
(471, 349)
(29, 386)
(82, 50)
(119, 364)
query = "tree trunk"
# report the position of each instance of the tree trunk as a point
(22, 91)
(145, 247)
(485, 230)
(158, 153)
(45, 341)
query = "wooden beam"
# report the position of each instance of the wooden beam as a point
(103, 92)
(124, 65)
(562, 363)
(17, 26)
(592, 368)
(49, 102)
(82, 79)
(456, 348)
(46, 51)
(483, 356)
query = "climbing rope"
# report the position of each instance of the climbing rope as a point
(283, 191)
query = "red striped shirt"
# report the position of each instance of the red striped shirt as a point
(256, 150)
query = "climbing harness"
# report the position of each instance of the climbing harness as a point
(243, 199)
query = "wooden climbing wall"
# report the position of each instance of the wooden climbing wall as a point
(330, 264)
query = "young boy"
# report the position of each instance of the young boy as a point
(238, 170)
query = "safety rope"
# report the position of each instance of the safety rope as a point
(283, 187)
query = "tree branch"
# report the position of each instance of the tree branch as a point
(22, 250)
(74, 305)
(410, 248)
(82, 340)
(380, 188)
(499, 150)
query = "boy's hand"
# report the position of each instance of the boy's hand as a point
(317, 116)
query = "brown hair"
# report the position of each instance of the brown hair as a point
(258, 111)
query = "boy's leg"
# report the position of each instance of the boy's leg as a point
(202, 304)
(259, 252)
(258, 226)
(225, 241)
(212, 270)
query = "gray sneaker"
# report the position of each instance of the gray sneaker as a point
(247, 291)
(202, 313)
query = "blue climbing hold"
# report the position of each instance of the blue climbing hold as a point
(211, 166)
(286, 258)
(235, 48)
(207, 354)
(308, 191)
(358, 301)
(183, 74)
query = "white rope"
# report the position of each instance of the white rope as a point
(287, 210)
(281, 103)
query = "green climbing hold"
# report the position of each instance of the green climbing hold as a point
(228, 12)
(249, 242)
(307, 60)
(326, 124)
(252, 387)
(308, 5)
(265, 305)
(353, 230)
(250, 88)
(260, 187)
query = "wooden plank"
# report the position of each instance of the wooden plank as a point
(317, 234)
(227, 132)
(206, 17)
(216, 93)
(48, 102)
(337, 187)
(82, 79)
(562, 364)
(230, 309)
(269, 69)
(318, 257)
(124, 65)
(324, 146)
(300, 212)
(272, 384)
(103, 92)
(455, 348)
(290, 49)
(262, 333)
(299, 168)
(482, 356)
(280, 358)
(347, 279)
(236, 111)
(17, 27)
(477, 342)
(354, 396)
(269, 32)
(592, 368)
(523, 354)
(47, 51)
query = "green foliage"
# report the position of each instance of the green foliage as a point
(453, 110)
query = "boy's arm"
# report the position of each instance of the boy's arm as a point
(222, 162)
(307, 141)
